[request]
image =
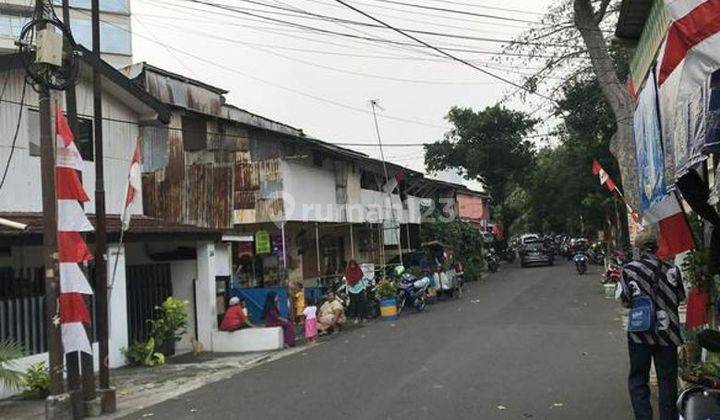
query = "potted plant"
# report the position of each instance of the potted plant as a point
(387, 291)
(170, 326)
(9, 377)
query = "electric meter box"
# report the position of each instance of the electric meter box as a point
(49, 47)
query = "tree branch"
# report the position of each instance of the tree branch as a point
(600, 14)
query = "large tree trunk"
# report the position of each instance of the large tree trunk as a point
(622, 145)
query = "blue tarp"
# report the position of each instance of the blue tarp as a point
(255, 299)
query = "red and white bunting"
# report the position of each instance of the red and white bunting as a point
(72, 218)
(72, 249)
(73, 280)
(134, 186)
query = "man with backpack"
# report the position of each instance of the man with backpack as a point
(652, 290)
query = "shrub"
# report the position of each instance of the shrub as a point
(172, 323)
(10, 350)
(386, 289)
(144, 354)
(36, 380)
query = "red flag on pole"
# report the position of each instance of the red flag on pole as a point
(604, 177)
(134, 185)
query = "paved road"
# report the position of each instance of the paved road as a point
(540, 342)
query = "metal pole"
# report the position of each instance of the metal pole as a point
(317, 248)
(352, 242)
(374, 104)
(52, 283)
(108, 397)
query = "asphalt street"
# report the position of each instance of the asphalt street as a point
(524, 343)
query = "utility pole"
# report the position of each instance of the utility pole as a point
(374, 104)
(107, 395)
(50, 254)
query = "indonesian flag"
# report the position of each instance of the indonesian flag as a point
(690, 53)
(675, 236)
(604, 177)
(72, 249)
(134, 185)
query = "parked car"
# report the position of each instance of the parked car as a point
(534, 252)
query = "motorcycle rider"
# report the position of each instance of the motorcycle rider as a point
(660, 280)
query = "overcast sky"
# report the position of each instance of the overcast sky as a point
(321, 82)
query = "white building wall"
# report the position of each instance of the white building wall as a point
(22, 191)
(309, 193)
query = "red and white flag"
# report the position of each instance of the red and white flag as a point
(604, 177)
(72, 249)
(675, 235)
(134, 186)
(690, 53)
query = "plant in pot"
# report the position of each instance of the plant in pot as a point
(387, 291)
(170, 326)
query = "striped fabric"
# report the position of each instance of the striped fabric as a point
(72, 249)
(662, 282)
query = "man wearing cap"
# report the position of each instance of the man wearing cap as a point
(661, 281)
(235, 317)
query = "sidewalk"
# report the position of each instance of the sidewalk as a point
(182, 374)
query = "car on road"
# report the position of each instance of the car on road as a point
(533, 251)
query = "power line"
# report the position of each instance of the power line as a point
(345, 71)
(460, 60)
(15, 135)
(479, 6)
(451, 47)
(455, 11)
(311, 28)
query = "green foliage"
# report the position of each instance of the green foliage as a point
(144, 354)
(9, 377)
(695, 268)
(487, 145)
(172, 323)
(463, 238)
(36, 381)
(386, 289)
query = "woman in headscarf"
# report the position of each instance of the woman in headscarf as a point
(356, 285)
(272, 318)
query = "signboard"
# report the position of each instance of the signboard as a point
(648, 149)
(652, 37)
(262, 242)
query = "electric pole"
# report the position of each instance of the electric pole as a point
(374, 104)
(107, 394)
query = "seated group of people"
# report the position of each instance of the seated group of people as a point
(329, 318)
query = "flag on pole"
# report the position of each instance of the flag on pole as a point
(604, 177)
(134, 185)
(72, 249)
(675, 235)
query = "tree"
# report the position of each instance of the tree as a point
(489, 146)
(573, 40)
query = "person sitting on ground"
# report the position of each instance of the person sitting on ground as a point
(235, 318)
(332, 314)
(272, 318)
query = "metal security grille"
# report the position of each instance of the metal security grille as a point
(147, 287)
(22, 308)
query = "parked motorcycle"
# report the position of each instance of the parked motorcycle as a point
(411, 292)
(581, 262)
(492, 260)
(700, 401)
(510, 254)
